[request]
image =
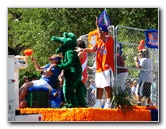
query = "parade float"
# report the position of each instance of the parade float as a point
(46, 114)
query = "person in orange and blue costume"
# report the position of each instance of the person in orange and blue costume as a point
(104, 49)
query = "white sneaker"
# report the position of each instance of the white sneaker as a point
(107, 105)
(97, 104)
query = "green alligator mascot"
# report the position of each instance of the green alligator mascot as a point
(73, 88)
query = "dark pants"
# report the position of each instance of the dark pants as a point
(146, 89)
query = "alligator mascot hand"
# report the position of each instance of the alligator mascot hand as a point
(73, 88)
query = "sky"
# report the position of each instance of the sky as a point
(5, 4)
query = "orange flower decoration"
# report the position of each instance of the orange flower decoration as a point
(28, 52)
(139, 113)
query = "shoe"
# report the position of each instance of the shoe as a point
(147, 105)
(97, 104)
(138, 104)
(107, 105)
(23, 104)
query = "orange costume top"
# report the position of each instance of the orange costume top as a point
(105, 54)
(84, 62)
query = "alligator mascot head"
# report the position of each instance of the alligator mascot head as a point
(68, 41)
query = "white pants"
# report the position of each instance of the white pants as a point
(104, 79)
(41, 83)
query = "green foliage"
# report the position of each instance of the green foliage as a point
(121, 99)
